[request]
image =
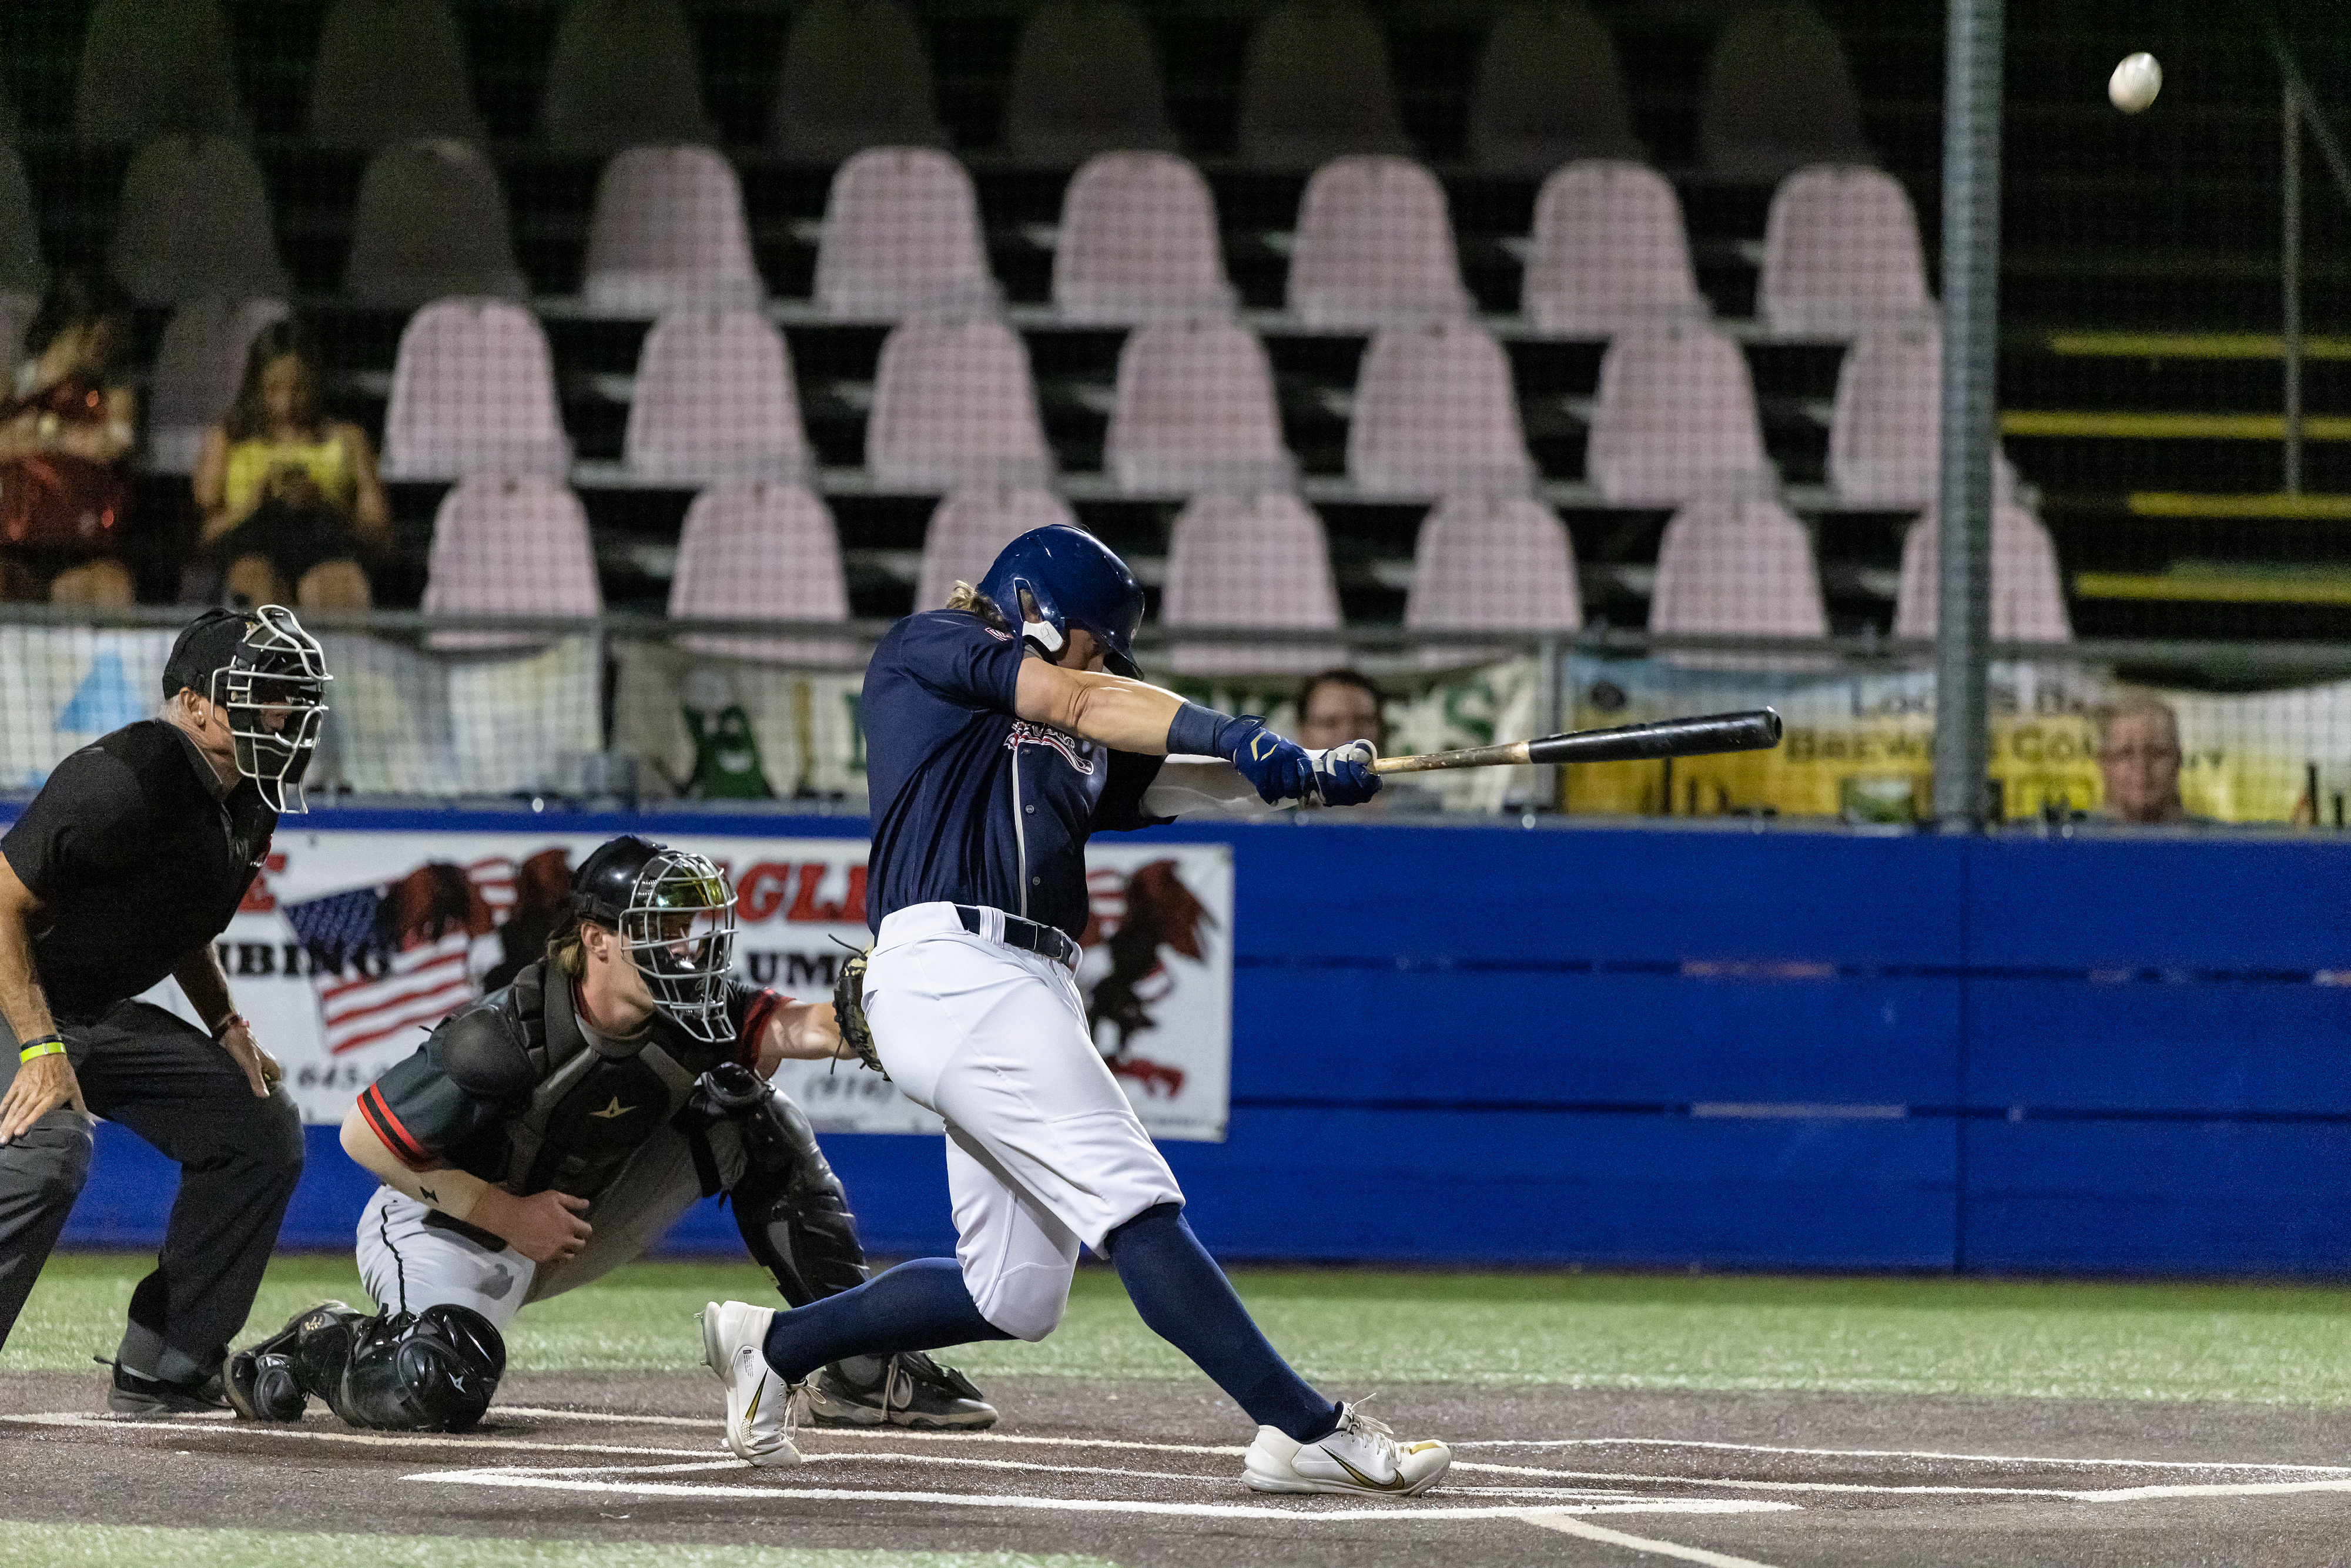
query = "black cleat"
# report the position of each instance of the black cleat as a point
(909, 1390)
(136, 1394)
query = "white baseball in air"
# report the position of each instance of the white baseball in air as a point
(2136, 82)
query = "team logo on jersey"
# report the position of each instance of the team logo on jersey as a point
(1078, 754)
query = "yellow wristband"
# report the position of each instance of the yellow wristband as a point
(47, 1045)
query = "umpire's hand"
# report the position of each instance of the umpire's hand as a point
(261, 1069)
(42, 1086)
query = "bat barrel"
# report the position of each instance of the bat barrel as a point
(1758, 730)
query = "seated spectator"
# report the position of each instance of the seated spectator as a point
(290, 498)
(1336, 706)
(66, 429)
(2138, 756)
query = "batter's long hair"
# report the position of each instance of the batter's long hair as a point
(967, 597)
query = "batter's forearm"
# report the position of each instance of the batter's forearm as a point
(457, 1194)
(206, 988)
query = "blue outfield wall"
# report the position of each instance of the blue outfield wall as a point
(1621, 1045)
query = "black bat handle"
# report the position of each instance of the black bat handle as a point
(1758, 730)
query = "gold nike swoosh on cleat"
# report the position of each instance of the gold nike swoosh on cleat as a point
(751, 1411)
(1399, 1484)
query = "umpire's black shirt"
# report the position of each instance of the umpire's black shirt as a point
(137, 861)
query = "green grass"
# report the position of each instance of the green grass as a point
(1353, 1332)
(114, 1545)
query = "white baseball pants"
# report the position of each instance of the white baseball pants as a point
(1043, 1150)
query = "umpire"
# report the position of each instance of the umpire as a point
(122, 870)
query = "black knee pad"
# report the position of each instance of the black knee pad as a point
(434, 1371)
(272, 1381)
(791, 1209)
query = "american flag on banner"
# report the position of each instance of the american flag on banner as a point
(401, 955)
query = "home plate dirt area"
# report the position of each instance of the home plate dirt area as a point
(1137, 1472)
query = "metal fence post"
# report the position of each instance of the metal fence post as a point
(1971, 144)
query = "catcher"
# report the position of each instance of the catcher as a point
(555, 1130)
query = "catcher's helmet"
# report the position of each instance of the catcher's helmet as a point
(675, 912)
(1071, 578)
(269, 678)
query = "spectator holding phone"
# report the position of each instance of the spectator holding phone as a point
(66, 424)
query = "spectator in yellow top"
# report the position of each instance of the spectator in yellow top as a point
(2138, 756)
(289, 498)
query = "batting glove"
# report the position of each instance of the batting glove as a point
(1344, 776)
(1279, 770)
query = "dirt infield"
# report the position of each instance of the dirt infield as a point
(1142, 1472)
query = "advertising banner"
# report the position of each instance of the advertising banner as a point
(352, 944)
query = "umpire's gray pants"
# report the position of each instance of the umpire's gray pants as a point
(239, 1157)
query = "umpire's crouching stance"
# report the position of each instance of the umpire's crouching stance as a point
(122, 870)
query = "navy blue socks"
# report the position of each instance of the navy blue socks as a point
(1184, 1299)
(921, 1305)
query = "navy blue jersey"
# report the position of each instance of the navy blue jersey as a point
(972, 804)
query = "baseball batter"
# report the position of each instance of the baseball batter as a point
(1001, 732)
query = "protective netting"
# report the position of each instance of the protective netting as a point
(1360, 323)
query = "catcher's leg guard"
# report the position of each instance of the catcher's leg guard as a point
(273, 1380)
(434, 1371)
(791, 1209)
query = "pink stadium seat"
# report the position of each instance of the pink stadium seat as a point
(1504, 563)
(1886, 433)
(431, 223)
(1314, 86)
(953, 404)
(20, 233)
(668, 233)
(1249, 560)
(1841, 255)
(902, 238)
(1609, 252)
(509, 546)
(1085, 81)
(1675, 420)
(149, 67)
(714, 400)
(1435, 413)
(1737, 567)
(1139, 242)
(971, 528)
(2028, 590)
(390, 71)
(756, 550)
(1777, 97)
(856, 75)
(198, 368)
(194, 223)
(473, 391)
(1375, 246)
(622, 74)
(1196, 411)
(1548, 91)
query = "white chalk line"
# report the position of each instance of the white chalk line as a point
(1568, 1524)
(1892, 1454)
(705, 1423)
(2113, 1494)
(87, 1421)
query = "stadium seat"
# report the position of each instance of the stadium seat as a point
(1085, 81)
(20, 233)
(1675, 421)
(1375, 248)
(198, 368)
(1139, 242)
(1196, 411)
(622, 75)
(902, 238)
(153, 66)
(1737, 567)
(756, 550)
(1609, 253)
(431, 223)
(516, 545)
(473, 391)
(668, 233)
(1778, 96)
(193, 223)
(1841, 255)
(1886, 432)
(1548, 91)
(1315, 87)
(2028, 590)
(390, 71)
(1435, 413)
(856, 75)
(1491, 563)
(953, 404)
(1249, 560)
(716, 399)
(971, 528)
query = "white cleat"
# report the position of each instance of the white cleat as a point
(1362, 1458)
(761, 1408)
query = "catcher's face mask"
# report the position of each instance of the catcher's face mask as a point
(273, 690)
(679, 929)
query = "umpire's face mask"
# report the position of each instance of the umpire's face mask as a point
(273, 692)
(679, 929)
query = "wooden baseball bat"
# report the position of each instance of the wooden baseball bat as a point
(1754, 731)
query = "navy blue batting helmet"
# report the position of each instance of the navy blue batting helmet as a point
(1073, 578)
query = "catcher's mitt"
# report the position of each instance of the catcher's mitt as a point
(849, 1009)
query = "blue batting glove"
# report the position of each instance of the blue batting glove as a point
(1279, 770)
